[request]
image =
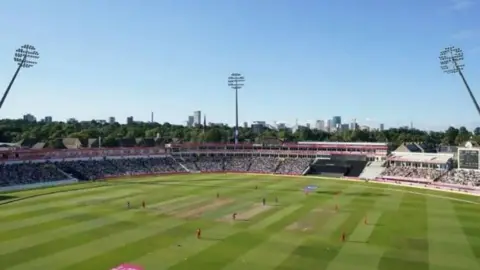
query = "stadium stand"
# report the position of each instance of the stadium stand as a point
(339, 165)
(29, 173)
(415, 166)
(462, 177)
(98, 163)
(373, 170)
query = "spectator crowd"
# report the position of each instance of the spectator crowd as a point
(462, 177)
(92, 169)
(29, 173)
(412, 173)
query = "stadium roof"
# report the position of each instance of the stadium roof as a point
(345, 143)
(420, 157)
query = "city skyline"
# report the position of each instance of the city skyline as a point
(193, 120)
(278, 49)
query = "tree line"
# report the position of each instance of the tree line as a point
(112, 135)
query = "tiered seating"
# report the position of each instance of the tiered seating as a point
(373, 170)
(412, 173)
(462, 177)
(29, 173)
(89, 169)
(293, 166)
(237, 164)
(210, 164)
(264, 164)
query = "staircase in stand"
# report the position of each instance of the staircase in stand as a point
(373, 170)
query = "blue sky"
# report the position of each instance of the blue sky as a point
(373, 60)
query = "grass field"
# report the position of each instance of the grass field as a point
(88, 226)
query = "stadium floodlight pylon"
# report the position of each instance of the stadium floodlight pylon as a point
(26, 57)
(236, 81)
(450, 62)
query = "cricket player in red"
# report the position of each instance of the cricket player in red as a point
(199, 233)
(234, 216)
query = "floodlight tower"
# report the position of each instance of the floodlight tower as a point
(26, 57)
(235, 81)
(450, 62)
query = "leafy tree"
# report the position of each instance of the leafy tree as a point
(51, 133)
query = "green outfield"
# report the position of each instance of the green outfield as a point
(88, 226)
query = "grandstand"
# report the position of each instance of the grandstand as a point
(419, 167)
(334, 159)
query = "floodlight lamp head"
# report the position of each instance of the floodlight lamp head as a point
(236, 80)
(26, 56)
(450, 59)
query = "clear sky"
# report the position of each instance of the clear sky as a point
(373, 60)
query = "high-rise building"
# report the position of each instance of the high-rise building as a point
(344, 127)
(47, 119)
(382, 127)
(245, 124)
(308, 125)
(111, 120)
(336, 121)
(129, 120)
(320, 125)
(353, 124)
(197, 118)
(29, 118)
(328, 126)
(190, 121)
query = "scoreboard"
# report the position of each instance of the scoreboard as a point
(468, 158)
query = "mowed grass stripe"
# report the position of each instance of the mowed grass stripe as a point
(357, 245)
(448, 245)
(189, 245)
(167, 206)
(68, 212)
(403, 235)
(150, 231)
(36, 236)
(67, 205)
(279, 246)
(65, 213)
(92, 213)
(467, 215)
(137, 249)
(185, 247)
(311, 251)
(289, 209)
(124, 222)
(31, 205)
(74, 242)
(221, 253)
(245, 200)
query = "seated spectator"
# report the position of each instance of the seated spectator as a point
(462, 177)
(29, 173)
(412, 172)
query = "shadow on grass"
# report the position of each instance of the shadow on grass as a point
(7, 197)
(211, 239)
(355, 194)
(17, 199)
(358, 242)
